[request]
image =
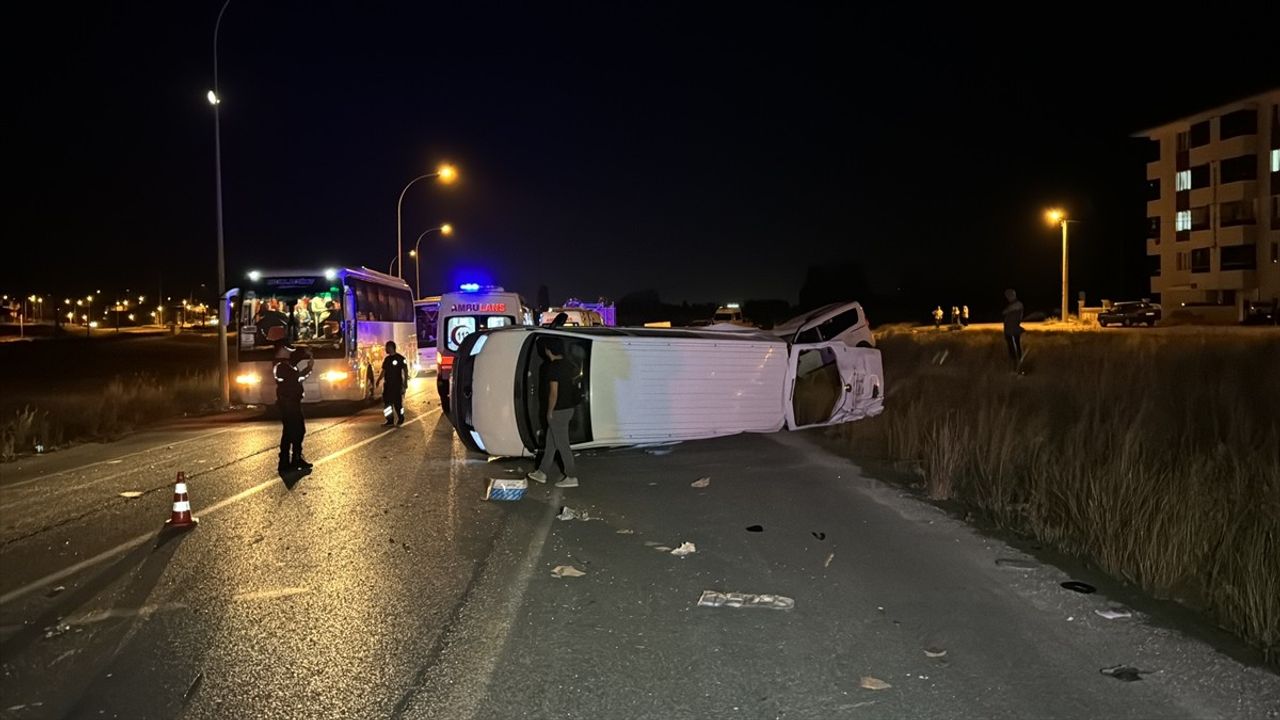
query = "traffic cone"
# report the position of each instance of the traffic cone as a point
(181, 518)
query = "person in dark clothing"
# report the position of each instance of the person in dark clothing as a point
(561, 377)
(1013, 329)
(289, 378)
(394, 378)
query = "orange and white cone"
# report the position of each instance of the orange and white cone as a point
(181, 517)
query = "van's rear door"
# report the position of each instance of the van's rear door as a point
(831, 383)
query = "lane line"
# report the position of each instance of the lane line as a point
(128, 545)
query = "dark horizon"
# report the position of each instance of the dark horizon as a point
(704, 157)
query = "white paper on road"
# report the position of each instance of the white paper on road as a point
(714, 598)
(686, 548)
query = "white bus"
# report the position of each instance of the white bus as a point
(344, 316)
(474, 307)
(426, 313)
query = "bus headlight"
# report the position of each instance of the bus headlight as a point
(248, 379)
(335, 375)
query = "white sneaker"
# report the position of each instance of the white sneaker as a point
(568, 482)
(538, 476)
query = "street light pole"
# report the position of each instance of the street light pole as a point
(445, 229)
(447, 174)
(1065, 311)
(224, 379)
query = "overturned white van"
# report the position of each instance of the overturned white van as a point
(646, 386)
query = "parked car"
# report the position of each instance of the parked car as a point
(645, 386)
(1138, 312)
(1261, 312)
(846, 321)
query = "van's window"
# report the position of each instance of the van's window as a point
(818, 386)
(830, 329)
(535, 388)
(458, 327)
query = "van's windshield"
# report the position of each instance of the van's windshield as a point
(533, 382)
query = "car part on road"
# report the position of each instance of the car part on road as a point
(686, 548)
(873, 683)
(181, 517)
(755, 528)
(1080, 587)
(1127, 673)
(566, 571)
(505, 489)
(714, 598)
(700, 482)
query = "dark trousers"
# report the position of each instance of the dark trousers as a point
(393, 404)
(292, 429)
(1014, 341)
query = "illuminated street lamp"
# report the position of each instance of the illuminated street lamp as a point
(1057, 216)
(447, 174)
(446, 230)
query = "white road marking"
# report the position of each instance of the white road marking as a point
(128, 545)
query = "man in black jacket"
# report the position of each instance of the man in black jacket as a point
(289, 378)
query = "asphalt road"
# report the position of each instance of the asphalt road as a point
(383, 585)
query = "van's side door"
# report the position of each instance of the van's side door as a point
(829, 383)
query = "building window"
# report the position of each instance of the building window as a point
(1200, 176)
(1200, 260)
(1153, 189)
(1181, 259)
(1182, 181)
(1200, 134)
(1239, 212)
(1238, 257)
(1200, 218)
(1184, 142)
(1240, 122)
(1182, 221)
(1153, 265)
(1153, 228)
(1152, 150)
(1275, 160)
(1275, 252)
(1235, 169)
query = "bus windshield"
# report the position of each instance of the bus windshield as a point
(300, 317)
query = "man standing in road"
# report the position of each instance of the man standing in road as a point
(394, 377)
(289, 394)
(1013, 329)
(561, 377)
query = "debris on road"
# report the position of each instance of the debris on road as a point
(193, 687)
(935, 652)
(755, 528)
(54, 631)
(1017, 564)
(1127, 673)
(566, 571)
(55, 591)
(624, 531)
(830, 556)
(662, 548)
(700, 482)
(713, 598)
(686, 548)
(131, 494)
(505, 489)
(1113, 613)
(568, 513)
(1080, 587)
(873, 683)
(819, 535)
(651, 543)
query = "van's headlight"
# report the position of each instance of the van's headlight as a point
(335, 375)
(248, 379)
(475, 349)
(476, 436)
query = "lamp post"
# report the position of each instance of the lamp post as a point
(447, 174)
(1059, 217)
(224, 380)
(446, 230)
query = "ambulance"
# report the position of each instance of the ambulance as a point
(473, 307)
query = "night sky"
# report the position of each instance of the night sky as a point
(710, 155)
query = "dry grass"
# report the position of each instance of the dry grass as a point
(1158, 456)
(121, 405)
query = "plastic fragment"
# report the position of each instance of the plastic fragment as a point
(935, 652)
(873, 683)
(1113, 613)
(131, 494)
(566, 571)
(700, 482)
(714, 598)
(686, 548)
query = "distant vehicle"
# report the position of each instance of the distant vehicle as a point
(343, 315)
(843, 321)
(730, 314)
(472, 308)
(1128, 314)
(608, 313)
(578, 317)
(426, 316)
(1261, 313)
(642, 386)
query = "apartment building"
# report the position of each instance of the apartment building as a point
(1213, 207)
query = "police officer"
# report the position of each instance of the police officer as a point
(289, 378)
(395, 378)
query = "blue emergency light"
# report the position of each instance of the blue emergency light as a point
(469, 287)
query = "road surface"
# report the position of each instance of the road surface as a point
(383, 585)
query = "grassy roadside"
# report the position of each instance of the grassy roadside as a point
(57, 392)
(1157, 456)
